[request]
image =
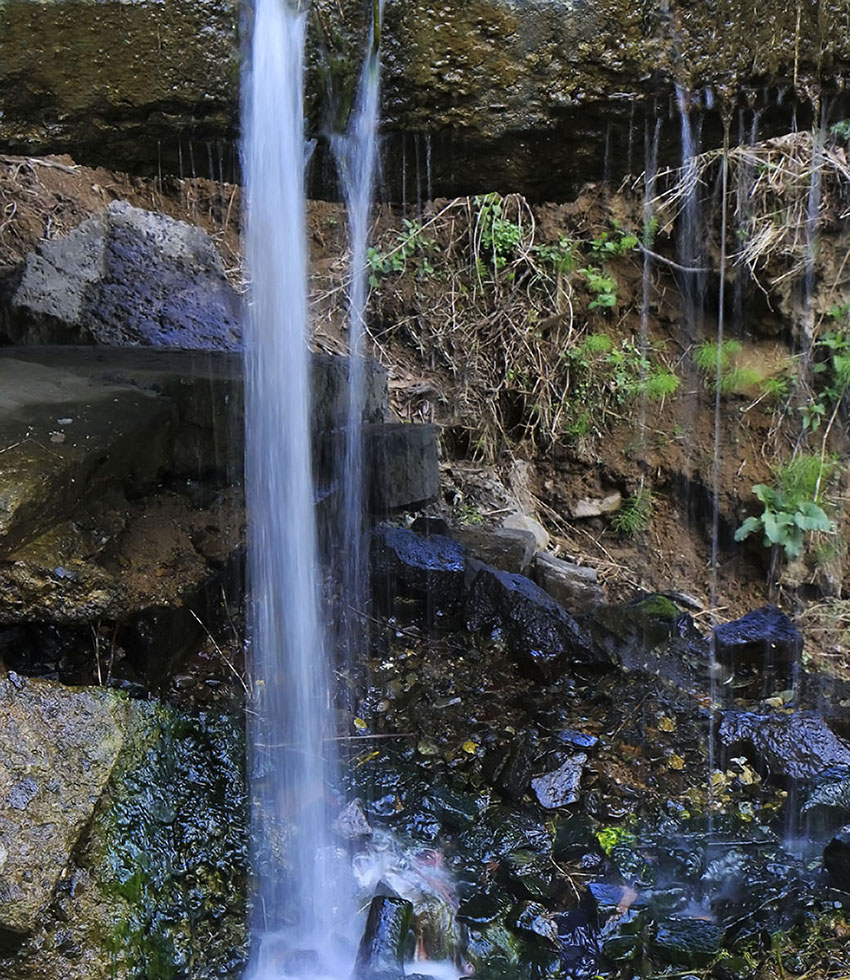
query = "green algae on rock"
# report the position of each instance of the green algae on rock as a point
(157, 890)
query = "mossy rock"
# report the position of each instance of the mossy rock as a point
(157, 890)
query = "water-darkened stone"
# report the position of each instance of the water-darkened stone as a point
(539, 633)
(798, 746)
(763, 636)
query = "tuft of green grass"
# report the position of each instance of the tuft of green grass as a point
(707, 354)
(635, 516)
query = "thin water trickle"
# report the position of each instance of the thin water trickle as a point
(297, 898)
(356, 154)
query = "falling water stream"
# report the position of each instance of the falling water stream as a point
(355, 153)
(289, 717)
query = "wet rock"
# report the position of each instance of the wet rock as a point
(529, 874)
(427, 571)
(482, 908)
(575, 586)
(206, 391)
(761, 637)
(539, 633)
(167, 845)
(532, 921)
(566, 81)
(510, 772)
(127, 277)
(385, 937)
(560, 787)
(579, 740)
(578, 938)
(113, 434)
(836, 859)
(402, 466)
(352, 823)
(573, 837)
(687, 942)
(58, 748)
(623, 937)
(611, 899)
(453, 810)
(827, 803)
(798, 746)
(508, 549)
(651, 633)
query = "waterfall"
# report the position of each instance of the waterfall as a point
(289, 713)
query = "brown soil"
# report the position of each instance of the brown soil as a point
(419, 331)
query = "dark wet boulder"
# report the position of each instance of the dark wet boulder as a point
(539, 633)
(560, 787)
(687, 942)
(425, 571)
(533, 922)
(126, 278)
(836, 859)
(574, 836)
(579, 941)
(510, 771)
(454, 810)
(799, 746)
(385, 938)
(651, 633)
(402, 466)
(827, 801)
(761, 637)
(482, 908)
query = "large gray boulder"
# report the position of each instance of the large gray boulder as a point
(126, 277)
(57, 750)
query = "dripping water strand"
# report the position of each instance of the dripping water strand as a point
(355, 153)
(716, 468)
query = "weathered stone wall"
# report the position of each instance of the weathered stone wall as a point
(501, 86)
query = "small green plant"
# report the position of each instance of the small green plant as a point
(776, 389)
(617, 243)
(603, 288)
(496, 236)
(469, 513)
(661, 383)
(791, 509)
(635, 515)
(841, 130)
(832, 374)
(411, 244)
(611, 837)
(560, 256)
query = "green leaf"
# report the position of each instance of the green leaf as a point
(766, 495)
(750, 525)
(775, 526)
(810, 517)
